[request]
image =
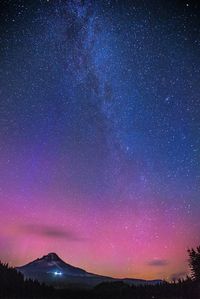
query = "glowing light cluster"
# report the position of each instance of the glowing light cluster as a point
(57, 273)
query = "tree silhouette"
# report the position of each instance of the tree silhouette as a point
(194, 262)
(14, 285)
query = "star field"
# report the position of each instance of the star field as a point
(100, 134)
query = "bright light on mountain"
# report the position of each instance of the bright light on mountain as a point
(56, 273)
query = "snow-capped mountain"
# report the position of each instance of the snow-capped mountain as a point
(51, 263)
(52, 270)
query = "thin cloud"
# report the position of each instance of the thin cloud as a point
(50, 232)
(158, 263)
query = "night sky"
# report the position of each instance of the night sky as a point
(100, 134)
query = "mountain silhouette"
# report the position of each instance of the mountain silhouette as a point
(52, 270)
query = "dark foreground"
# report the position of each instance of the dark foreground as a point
(13, 285)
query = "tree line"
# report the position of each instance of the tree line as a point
(13, 285)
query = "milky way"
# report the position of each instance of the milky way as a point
(100, 134)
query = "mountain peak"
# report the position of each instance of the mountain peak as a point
(52, 256)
